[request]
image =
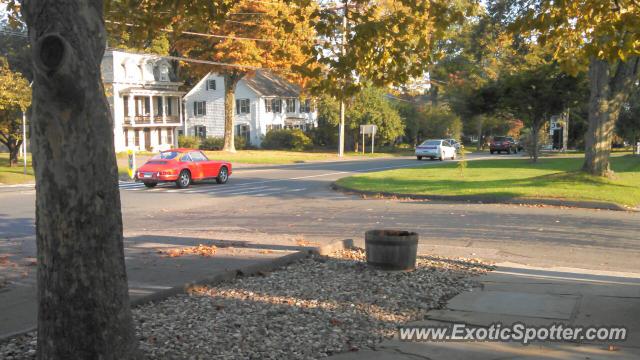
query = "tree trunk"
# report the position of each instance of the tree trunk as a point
(434, 95)
(535, 139)
(480, 145)
(606, 99)
(230, 82)
(83, 301)
(14, 149)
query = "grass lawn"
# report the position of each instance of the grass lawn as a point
(290, 157)
(556, 178)
(15, 174)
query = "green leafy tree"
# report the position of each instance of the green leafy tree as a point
(369, 106)
(628, 126)
(382, 43)
(600, 37)
(441, 122)
(15, 98)
(535, 95)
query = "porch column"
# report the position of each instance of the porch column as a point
(151, 119)
(180, 118)
(164, 109)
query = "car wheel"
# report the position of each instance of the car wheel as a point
(419, 157)
(150, 184)
(431, 158)
(508, 151)
(441, 158)
(454, 156)
(223, 175)
(184, 179)
(491, 151)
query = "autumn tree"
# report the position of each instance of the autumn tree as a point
(240, 36)
(600, 37)
(15, 98)
(382, 43)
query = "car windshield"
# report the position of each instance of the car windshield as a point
(166, 155)
(431, 142)
(499, 138)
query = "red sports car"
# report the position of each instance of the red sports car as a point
(182, 166)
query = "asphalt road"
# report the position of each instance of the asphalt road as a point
(295, 203)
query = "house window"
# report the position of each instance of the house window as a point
(169, 106)
(136, 139)
(211, 84)
(243, 106)
(126, 137)
(273, 105)
(200, 131)
(169, 136)
(147, 105)
(244, 131)
(305, 106)
(291, 105)
(164, 73)
(159, 106)
(125, 99)
(199, 108)
(159, 136)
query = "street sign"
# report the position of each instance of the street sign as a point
(371, 130)
(131, 166)
(368, 129)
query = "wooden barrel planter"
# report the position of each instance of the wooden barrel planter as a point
(391, 249)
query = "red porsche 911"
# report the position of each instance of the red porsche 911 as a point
(182, 166)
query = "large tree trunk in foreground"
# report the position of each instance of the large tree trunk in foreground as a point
(83, 301)
(608, 94)
(230, 82)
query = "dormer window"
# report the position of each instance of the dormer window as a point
(164, 72)
(211, 84)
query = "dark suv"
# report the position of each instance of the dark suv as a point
(503, 143)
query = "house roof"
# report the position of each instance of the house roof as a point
(266, 83)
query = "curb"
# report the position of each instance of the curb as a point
(228, 275)
(248, 270)
(596, 205)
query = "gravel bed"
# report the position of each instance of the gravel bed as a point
(311, 309)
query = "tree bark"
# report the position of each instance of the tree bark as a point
(83, 301)
(535, 139)
(608, 93)
(230, 81)
(13, 153)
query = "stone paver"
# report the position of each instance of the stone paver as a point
(535, 297)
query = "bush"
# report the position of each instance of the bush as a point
(286, 140)
(217, 143)
(212, 143)
(191, 142)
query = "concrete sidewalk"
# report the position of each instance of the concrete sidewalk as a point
(149, 271)
(535, 297)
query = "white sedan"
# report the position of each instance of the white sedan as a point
(436, 149)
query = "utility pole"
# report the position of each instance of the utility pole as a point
(342, 106)
(24, 140)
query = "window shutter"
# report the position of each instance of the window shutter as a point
(195, 108)
(204, 108)
(237, 106)
(206, 84)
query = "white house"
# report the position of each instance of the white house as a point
(264, 102)
(145, 100)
